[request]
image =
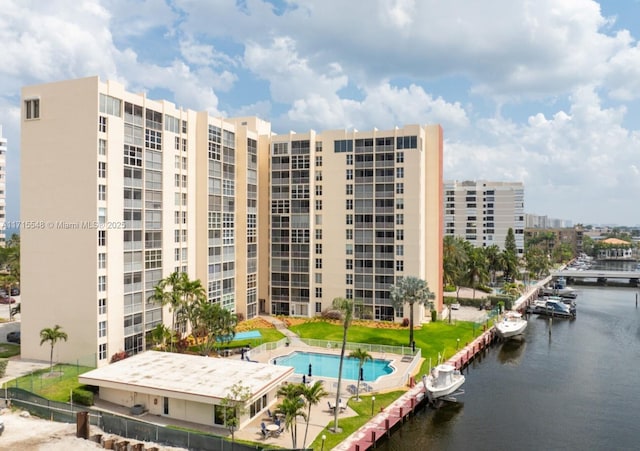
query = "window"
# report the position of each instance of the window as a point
(399, 173)
(319, 292)
(102, 283)
(102, 147)
(343, 145)
(318, 307)
(349, 204)
(318, 263)
(102, 351)
(102, 124)
(400, 157)
(32, 108)
(318, 248)
(318, 234)
(349, 174)
(349, 279)
(349, 264)
(102, 169)
(102, 192)
(102, 329)
(102, 306)
(349, 190)
(400, 235)
(400, 250)
(102, 260)
(102, 237)
(406, 142)
(318, 190)
(110, 105)
(349, 159)
(318, 160)
(399, 265)
(349, 234)
(399, 188)
(349, 220)
(400, 219)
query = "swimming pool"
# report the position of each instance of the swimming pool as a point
(327, 365)
(241, 336)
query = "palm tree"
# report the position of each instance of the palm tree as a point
(476, 268)
(159, 335)
(410, 290)
(291, 408)
(312, 395)
(169, 291)
(52, 336)
(344, 306)
(362, 357)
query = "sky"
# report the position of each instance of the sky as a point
(544, 92)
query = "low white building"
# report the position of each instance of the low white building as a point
(187, 387)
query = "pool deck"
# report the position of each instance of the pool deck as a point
(321, 415)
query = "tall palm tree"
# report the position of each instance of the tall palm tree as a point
(410, 290)
(169, 292)
(291, 408)
(345, 307)
(476, 268)
(52, 335)
(362, 357)
(312, 395)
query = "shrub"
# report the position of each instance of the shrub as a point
(332, 314)
(82, 396)
(405, 322)
(3, 367)
(434, 316)
(120, 355)
(449, 288)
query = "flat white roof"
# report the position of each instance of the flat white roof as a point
(185, 374)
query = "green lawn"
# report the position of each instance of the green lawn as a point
(9, 350)
(56, 385)
(352, 424)
(432, 338)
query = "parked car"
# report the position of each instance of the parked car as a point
(13, 337)
(1, 426)
(15, 291)
(455, 306)
(7, 300)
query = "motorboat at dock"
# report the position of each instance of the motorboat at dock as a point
(553, 306)
(444, 380)
(512, 325)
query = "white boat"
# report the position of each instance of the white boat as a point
(512, 324)
(553, 306)
(443, 380)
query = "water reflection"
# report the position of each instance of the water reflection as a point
(511, 351)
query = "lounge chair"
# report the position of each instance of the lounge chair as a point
(270, 414)
(330, 406)
(263, 430)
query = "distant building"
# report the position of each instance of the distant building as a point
(482, 212)
(571, 236)
(544, 222)
(121, 191)
(3, 188)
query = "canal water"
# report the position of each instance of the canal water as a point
(568, 385)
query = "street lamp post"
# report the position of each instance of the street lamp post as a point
(373, 401)
(324, 437)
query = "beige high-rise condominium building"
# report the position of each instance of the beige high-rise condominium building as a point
(482, 212)
(119, 191)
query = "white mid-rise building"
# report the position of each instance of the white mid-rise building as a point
(482, 212)
(119, 191)
(3, 188)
